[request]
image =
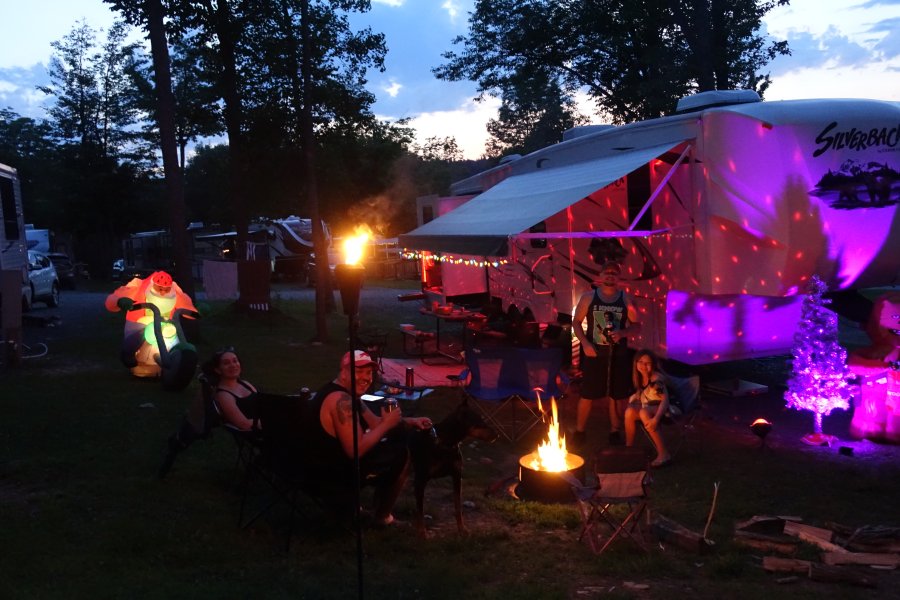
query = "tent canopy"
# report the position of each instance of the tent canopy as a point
(483, 225)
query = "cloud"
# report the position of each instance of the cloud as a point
(18, 90)
(829, 50)
(466, 123)
(876, 3)
(393, 89)
(394, 3)
(889, 46)
(452, 7)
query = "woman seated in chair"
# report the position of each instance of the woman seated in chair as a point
(649, 404)
(233, 394)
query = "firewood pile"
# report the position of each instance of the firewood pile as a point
(843, 549)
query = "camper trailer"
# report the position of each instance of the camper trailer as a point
(13, 260)
(719, 214)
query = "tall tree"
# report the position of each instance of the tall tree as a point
(534, 114)
(197, 111)
(150, 15)
(634, 58)
(103, 159)
(90, 111)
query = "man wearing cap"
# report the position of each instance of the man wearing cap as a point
(610, 317)
(158, 289)
(384, 456)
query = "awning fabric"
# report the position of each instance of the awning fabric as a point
(483, 225)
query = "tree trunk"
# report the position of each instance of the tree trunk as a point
(323, 271)
(222, 19)
(169, 146)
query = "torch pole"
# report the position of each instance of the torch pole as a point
(349, 278)
(352, 327)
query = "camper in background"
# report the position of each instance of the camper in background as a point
(719, 214)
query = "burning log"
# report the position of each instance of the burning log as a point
(545, 474)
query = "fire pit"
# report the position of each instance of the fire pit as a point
(540, 472)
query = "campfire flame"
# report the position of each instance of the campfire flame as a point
(355, 245)
(551, 454)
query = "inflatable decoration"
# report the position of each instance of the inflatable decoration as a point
(154, 344)
(877, 412)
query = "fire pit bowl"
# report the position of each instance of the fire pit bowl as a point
(547, 486)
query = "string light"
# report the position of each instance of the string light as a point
(454, 260)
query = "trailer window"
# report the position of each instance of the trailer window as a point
(8, 203)
(539, 228)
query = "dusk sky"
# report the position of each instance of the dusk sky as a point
(840, 49)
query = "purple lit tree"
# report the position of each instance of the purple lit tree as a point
(819, 379)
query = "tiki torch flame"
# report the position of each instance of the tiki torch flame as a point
(354, 246)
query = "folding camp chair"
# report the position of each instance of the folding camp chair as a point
(201, 418)
(502, 380)
(280, 461)
(684, 405)
(623, 480)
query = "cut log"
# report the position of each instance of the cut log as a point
(762, 524)
(667, 530)
(878, 548)
(867, 533)
(861, 558)
(766, 543)
(813, 535)
(777, 564)
(829, 574)
(803, 531)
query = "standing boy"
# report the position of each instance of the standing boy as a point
(610, 317)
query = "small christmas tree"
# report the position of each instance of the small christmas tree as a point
(819, 378)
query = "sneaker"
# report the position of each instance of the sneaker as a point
(615, 438)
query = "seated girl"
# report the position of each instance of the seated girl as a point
(233, 394)
(649, 404)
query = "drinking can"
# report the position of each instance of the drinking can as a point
(410, 377)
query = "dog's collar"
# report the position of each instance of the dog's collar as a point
(437, 439)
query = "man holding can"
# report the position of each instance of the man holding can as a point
(384, 456)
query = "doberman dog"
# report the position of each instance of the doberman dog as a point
(436, 453)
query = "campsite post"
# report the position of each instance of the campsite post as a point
(349, 279)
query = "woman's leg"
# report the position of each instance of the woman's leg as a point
(631, 417)
(662, 454)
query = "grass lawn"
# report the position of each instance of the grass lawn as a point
(83, 515)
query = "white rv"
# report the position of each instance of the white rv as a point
(720, 214)
(13, 255)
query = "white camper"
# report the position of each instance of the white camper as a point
(13, 259)
(720, 214)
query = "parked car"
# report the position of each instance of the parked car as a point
(65, 269)
(43, 282)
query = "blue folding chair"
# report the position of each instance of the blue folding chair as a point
(500, 380)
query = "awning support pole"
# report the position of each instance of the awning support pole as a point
(659, 188)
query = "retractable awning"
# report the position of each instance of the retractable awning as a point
(482, 226)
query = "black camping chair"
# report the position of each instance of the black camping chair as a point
(280, 461)
(501, 380)
(201, 418)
